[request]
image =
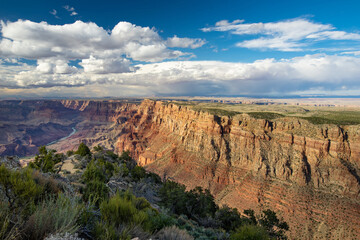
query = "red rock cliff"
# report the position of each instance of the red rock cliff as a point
(308, 173)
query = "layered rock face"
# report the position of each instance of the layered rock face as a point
(309, 174)
(26, 125)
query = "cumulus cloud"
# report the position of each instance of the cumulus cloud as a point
(288, 35)
(80, 40)
(99, 51)
(185, 42)
(102, 66)
(84, 54)
(300, 74)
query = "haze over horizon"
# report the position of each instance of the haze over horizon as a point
(70, 49)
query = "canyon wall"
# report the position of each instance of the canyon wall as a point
(308, 174)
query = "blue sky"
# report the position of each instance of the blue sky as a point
(270, 48)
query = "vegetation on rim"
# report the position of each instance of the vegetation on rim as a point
(314, 114)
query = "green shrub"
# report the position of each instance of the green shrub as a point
(138, 173)
(99, 170)
(83, 150)
(124, 171)
(53, 216)
(9, 227)
(228, 218)
(70, 153)
(161, 220)
(106, 231)
(19, 188)
(200, 203)
(265, 115)
(275, 227)
(173, 197)
(250, 218)
(96, 192)
(98, 148)
(250, 232)
(46, 160)
(94, 172)
(124, 209)
(154, 177)
(197, 203)
(125, 156)
(118, 210)
(112, 155)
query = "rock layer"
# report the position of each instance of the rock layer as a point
(309, 174)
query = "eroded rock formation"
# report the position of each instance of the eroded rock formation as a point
(309, 174)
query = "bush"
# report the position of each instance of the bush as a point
(173, 197)
(250, 232)
(9, 227)
(70, 153)
(124, 171)
(195, 204)
(83, 150)
(125, 156)
(120, 214)
(275, 227)
(200, 203)
(19, 189)
(173, 233)
(112, 155)
(53, 216)
(99, 170)
(138, 173)
(98, 148)
(120, 209)
(95, 192)
(94, 172)
(228, 218)
(154, 177)
(159, 221)
(46, 160)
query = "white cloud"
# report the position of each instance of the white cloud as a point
(106, 56)
(355, 53)
(288, 35)
(71, 10)
(68, 8)
(185, 42)
(54, 12)
(80, 41)
(102, 66)
(50, 66)
(325, 73)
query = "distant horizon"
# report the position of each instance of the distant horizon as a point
(184, 97)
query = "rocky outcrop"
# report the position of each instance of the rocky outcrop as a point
(309, 174)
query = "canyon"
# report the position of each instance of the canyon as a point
(309, 174)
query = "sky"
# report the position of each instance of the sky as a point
(82, 49)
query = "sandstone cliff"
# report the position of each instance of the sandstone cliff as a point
(309, 174)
